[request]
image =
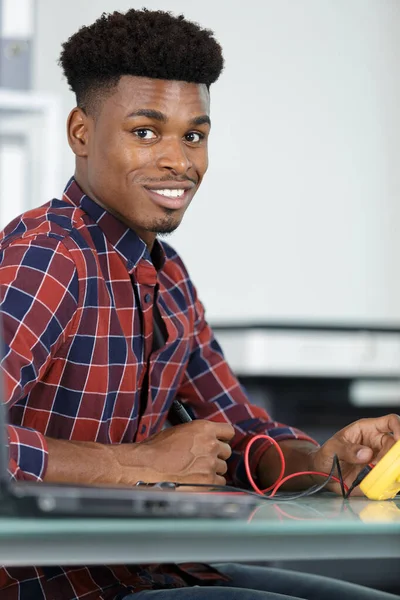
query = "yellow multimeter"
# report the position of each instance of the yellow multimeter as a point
(383, 481)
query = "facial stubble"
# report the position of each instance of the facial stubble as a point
(165, 226)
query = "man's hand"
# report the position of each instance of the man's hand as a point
(193, 452)
(358, 444)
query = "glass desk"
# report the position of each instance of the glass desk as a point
(317, 527)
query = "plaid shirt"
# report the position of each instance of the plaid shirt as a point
(77, 289)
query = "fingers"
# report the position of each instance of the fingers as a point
(362, 440)
(389, 424)
(224, 431)
(219, 480)
(387, 441)
(347, 451)
(221, 467)
(224, 451)
(386, 424)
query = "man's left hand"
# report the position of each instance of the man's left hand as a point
(357, 445)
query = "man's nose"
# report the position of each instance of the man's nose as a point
(174, 157)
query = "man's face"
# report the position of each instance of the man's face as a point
(145, 152)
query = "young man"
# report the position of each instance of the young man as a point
(85, 283)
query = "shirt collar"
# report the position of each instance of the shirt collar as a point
(125, 241)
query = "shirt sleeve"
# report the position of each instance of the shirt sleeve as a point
(38, 300)
(213, 392)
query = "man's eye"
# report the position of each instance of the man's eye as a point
(194, 137)
(145, 134)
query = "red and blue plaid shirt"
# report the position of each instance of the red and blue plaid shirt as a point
(77, 289)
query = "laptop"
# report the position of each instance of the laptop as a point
(33, 499)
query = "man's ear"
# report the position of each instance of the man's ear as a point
(78, 131)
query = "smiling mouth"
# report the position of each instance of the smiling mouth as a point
(174, 199)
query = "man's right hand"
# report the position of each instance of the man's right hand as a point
(193, 452)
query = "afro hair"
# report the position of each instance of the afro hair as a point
(143, 43)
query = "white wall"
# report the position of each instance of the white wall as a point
(298, 218)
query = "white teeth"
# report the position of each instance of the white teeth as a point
(170, 193)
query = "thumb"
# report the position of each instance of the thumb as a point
(360, 454)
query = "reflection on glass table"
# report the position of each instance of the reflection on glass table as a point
(321, 526)
(330, 509)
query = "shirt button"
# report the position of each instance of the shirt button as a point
(147, 298)
(143, 429)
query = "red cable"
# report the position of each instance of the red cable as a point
(280, 480)
(278, 483)
(247, 462)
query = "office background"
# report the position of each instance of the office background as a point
(297, 217)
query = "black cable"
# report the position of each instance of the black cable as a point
(229, 488)
(282, 497)
(340, 476)
(363, 473)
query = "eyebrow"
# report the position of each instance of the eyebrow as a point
(159, 116)
(201, 120)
